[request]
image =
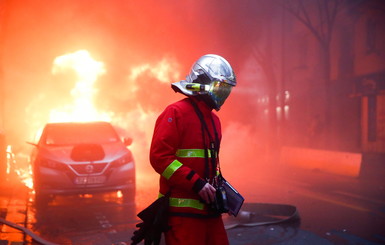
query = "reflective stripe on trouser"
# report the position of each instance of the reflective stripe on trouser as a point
(193, 231)
(185, 203)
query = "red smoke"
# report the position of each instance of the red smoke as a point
(125, 35)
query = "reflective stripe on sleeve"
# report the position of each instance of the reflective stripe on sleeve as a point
(170, 170)
(192, 153)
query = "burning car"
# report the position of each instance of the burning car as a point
(82, 158)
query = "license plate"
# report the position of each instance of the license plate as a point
(84, 180)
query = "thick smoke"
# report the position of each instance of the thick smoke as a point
(144, 46)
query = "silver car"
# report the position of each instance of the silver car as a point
(82, 158)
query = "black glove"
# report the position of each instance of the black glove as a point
(150, 234)
(154, 222)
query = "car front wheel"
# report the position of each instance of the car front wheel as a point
(128, 195)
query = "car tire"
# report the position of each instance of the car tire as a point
(128, 195)
(42, 200)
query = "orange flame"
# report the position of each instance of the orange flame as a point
(87, 70)
(81, 107)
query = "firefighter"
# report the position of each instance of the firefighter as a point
(184, 151)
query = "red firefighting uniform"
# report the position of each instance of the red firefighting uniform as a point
(177, 154)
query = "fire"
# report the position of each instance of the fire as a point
(18, 168)
(136, 122)
(87, 70)
(81, 109)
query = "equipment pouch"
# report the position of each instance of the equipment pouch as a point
(227, 198)
(220, 204)
(233, 197)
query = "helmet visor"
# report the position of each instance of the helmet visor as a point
(219, 91)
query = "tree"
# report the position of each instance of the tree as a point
(264, 59)
(319, 17)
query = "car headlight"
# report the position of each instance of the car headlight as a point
(127, 158)
(48, 163)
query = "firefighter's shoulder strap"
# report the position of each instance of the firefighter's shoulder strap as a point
(214, 142)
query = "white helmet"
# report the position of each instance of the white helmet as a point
(211, 77)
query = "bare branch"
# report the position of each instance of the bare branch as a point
(321, 9)
(332, 17)
(259, 56)
(327, 13)
(297, 14)
(305, 13)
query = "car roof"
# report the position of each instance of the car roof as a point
(79, 123)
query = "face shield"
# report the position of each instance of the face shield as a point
(218, 93)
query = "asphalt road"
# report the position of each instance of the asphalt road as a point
(332, 209)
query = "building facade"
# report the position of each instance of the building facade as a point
(345, 111)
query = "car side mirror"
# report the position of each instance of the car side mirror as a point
(127, 141)
(32, 143)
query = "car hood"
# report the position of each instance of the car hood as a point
(111, 152)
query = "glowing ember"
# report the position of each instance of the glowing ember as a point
(25, 176)
(119, 194)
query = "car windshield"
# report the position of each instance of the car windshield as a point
(79, 133)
